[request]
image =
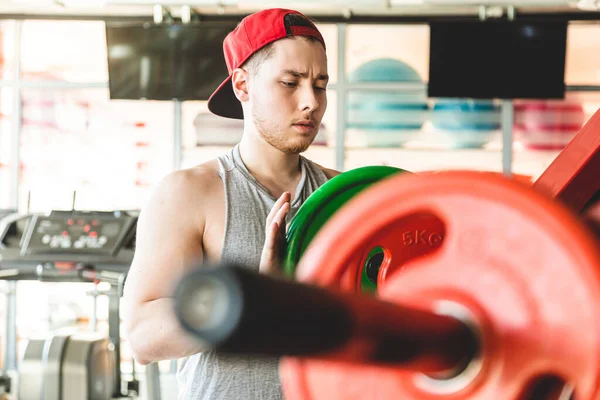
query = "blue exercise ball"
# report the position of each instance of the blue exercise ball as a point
(464, 123)
(384, 70)
(390, 118)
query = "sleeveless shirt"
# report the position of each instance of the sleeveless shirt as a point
(212, 376)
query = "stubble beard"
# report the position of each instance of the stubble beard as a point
(276, 138)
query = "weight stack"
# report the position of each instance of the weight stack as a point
(68, 367)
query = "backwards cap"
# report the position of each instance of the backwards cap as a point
(253, 33)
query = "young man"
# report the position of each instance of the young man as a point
(234, 208)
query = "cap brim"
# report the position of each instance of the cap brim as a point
(224, 103)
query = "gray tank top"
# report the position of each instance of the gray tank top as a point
(212, 376)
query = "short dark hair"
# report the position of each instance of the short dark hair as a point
(256, 59)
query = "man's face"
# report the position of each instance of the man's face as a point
(288, 94)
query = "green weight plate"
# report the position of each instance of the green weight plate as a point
(322, 204)
(370, 272)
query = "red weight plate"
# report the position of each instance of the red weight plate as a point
(591, 216)
(520, 266)
(573, 177)
(420, 234)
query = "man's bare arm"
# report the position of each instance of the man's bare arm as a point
(169, 242)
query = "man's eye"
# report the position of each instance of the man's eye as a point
(288, 84)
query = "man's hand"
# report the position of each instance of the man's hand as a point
(275, 236)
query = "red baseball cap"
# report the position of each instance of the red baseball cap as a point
(253, 33)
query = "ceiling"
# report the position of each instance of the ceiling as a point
(326, 9)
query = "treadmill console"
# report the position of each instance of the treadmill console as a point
(76, 234)
(101, 240)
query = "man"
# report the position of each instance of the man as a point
(233, 208)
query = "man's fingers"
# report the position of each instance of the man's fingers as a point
(274, 233)
(271, 236)
(270, 251)
(283, 199)
(280, 216)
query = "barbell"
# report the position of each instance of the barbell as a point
(504, 307)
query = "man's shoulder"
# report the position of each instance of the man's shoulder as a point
(198, 180)
(186, 194)
(329, 173)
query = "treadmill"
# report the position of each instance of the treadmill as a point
(68, 246)
(5, 386)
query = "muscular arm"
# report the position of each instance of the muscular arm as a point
(169, 241)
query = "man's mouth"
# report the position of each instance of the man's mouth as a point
(310, 124)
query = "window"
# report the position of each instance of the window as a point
(7, 49)
(407, 43)
(206, 135)
(322, 151)
(329, 32)
(6, 147)
(583, 54)
(404, 127)
(110, 152)
(70, 51)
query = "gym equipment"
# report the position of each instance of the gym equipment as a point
(547, 124)
(505, 308)
(495, 243)
(223, 305)
(385, 118)
(421, 234)
(465, 123)
(68, 366)
(6, 211)
(416, 235)
(70, 246)
(573, 176)
(323, 203)
(592, 217)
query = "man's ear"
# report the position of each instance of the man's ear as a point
(239, 82)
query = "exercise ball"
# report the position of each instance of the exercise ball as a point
(547, 124)
(464, 123)
(385, 118)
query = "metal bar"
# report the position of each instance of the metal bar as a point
(153, 381)
(398, 15)
(94, 319)
(583, 88)
(53, 85)
(15, 163)
(415, 86)
(114, 326)
(340, 137)
(9, 359)
(507, 136)
(177, 136)
(334, 86)
(376, 86)
(320, 323)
